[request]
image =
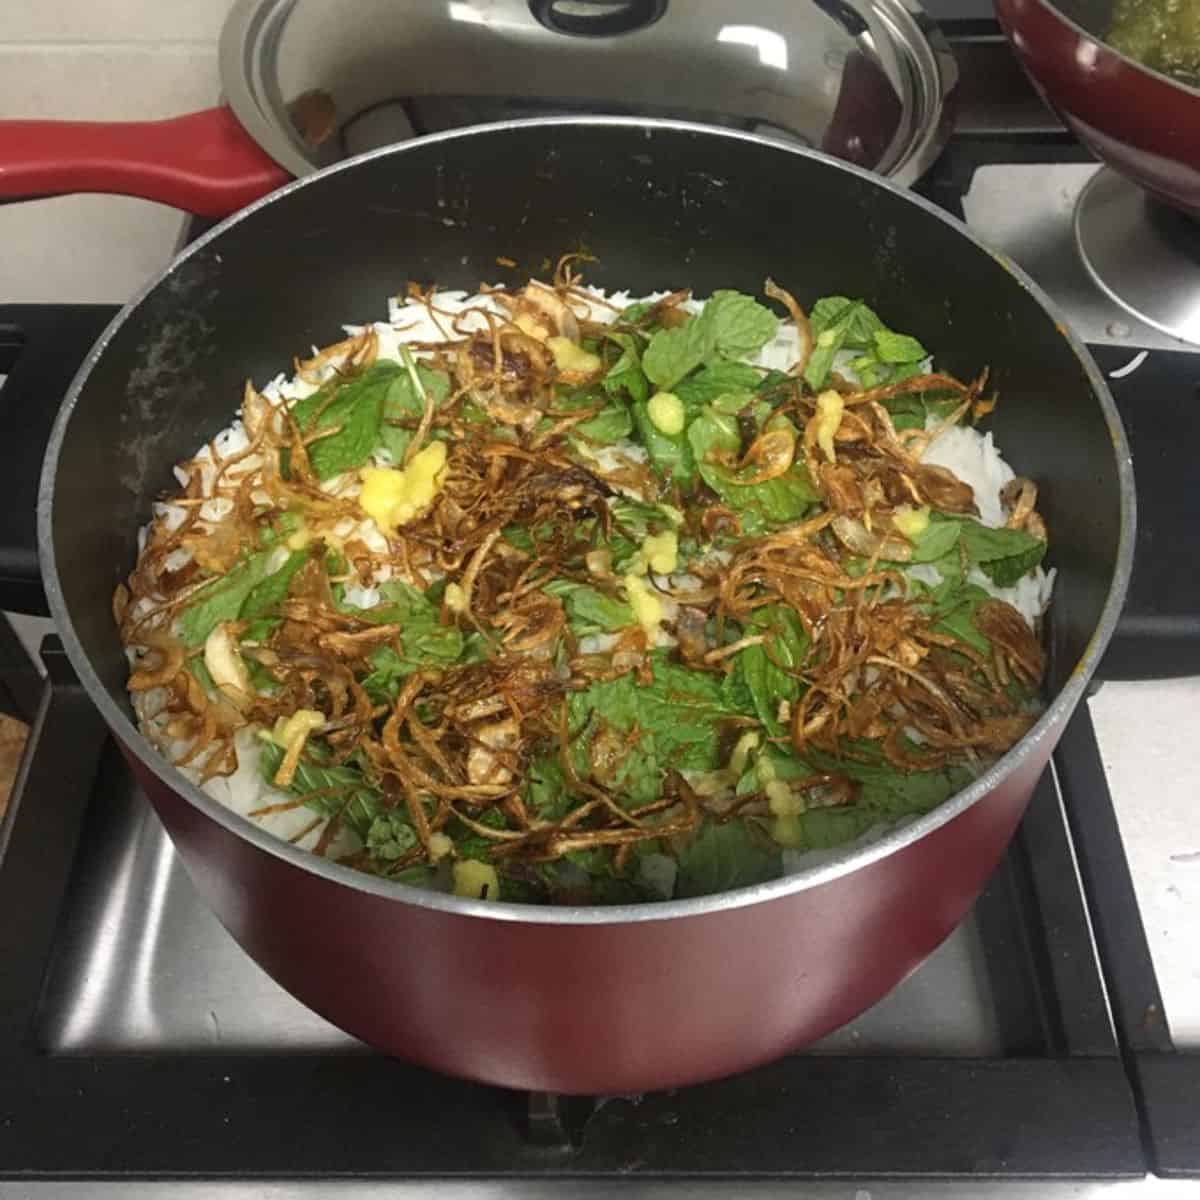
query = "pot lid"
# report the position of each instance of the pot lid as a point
(315, 81)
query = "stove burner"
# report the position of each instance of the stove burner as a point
(1142, 254)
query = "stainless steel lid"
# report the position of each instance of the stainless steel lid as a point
(313, 81)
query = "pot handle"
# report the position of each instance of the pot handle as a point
(203, 162)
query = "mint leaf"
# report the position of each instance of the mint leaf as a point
(401, 399)
(267, 597)
(355, 411)
(838, 323)
(856, 321)
(1004, 555)
(713, 380)
(401, 403)
(715, 441)
(890, 792)
(739, 324)
(765, 682)
(611, 424)
(395, 440)
(721, 857)
(638, 518)
(589, 610)
(913, 409)
(424, 641)
(670, 723)
(326, 789)
(1005, 572)
(898, 347)
(824, 828)
(626, 374)
(938, 539)
(674, 353)
(730, 324)
(955, 605)
(670, 454)
(222, 599)
(390, 836)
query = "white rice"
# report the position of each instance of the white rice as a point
(975, 459)
(972, 456)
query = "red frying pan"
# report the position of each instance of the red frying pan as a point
(1144, 124)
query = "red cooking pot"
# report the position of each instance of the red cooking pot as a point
(1144, 124)
(592, 1000)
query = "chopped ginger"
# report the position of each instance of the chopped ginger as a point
(476, 879)
(647, 607)
(830, 407)
(393, 496)
(574, 363)
(912, 522)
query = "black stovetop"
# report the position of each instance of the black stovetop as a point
(1082, 1080)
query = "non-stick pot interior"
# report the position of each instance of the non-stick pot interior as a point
(663, 207)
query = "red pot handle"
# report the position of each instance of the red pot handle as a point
(204, 162)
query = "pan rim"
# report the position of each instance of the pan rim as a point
(895, 840)
(1105, 48)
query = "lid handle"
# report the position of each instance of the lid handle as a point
(597, 18)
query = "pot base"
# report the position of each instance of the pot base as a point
(1141, 253)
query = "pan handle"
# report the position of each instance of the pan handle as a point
(204, 162)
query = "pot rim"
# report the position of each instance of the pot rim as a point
(1104, 48)
(852, 859)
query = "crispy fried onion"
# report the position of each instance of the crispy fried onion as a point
(455, 744)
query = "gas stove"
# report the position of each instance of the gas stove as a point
(1043, 1050)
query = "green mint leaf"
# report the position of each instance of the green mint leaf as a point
(546, 791)
(856, 321)
(401, 399)
(740, 325)
(838, 323)
(222, 599)
(670, 454)
(721, 857)
(889, 792)
(674, 353)
(668, 724)
(395, 440)
(713, 380)
(355, 411)
(626, 374)
(935, 541)
(766, 682)
(612, 424)
(424, 641)
(955, 604)
(267, 597)
(390, 836)
(715, 440)
(730, 324)
(589, 610)
(1004, 555)
(326, 790)
(1005, 572)
(401, 403)
(898, 348)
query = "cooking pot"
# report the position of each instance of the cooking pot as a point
(1144, 124)
(308, 82)
(595, 1000)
